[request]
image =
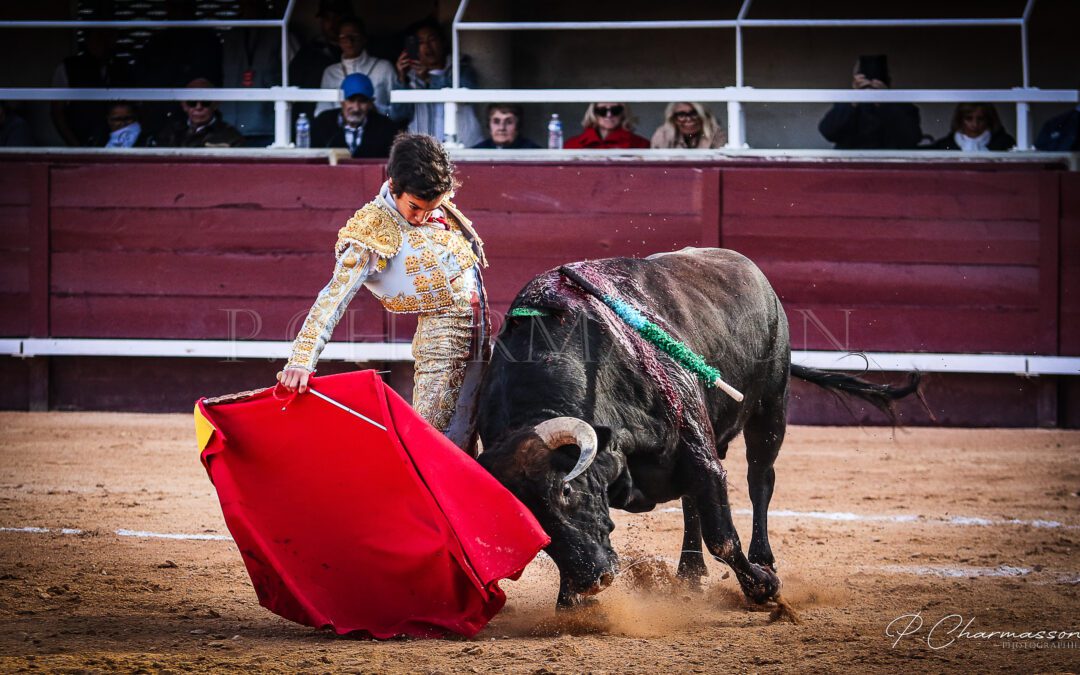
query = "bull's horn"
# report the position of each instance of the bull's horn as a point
(566, 430)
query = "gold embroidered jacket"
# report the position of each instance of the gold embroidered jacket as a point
(426, 269)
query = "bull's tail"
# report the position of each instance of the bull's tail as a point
(881, 396)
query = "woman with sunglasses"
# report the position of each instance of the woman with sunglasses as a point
(607, 125)
(975, 127)
(688, 125)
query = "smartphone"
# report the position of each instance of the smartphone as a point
(412, 47)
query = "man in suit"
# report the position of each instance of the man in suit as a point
(356, 125)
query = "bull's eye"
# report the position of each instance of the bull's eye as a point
(566, 490)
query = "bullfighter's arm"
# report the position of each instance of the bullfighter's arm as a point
(353, 266)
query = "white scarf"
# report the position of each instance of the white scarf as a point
(124, 137)
(968, 144)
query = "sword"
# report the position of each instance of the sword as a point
(345, 408)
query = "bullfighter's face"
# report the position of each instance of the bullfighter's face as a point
(415, 210)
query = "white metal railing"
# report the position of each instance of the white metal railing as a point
(1007, 364)
(734, 97)
(736, 119)
(282, 111)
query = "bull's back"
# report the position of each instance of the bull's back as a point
(707, 284)
(724, 308)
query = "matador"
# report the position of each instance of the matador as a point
(416, 253)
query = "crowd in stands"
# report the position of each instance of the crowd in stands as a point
(365, 122)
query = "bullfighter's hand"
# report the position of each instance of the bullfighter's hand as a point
(294, 378)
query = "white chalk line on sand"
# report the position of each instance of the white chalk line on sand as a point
(942, 571)
(841, 516)
(966, 572)
(837, 516)
(122, 533)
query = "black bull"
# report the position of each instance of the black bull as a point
(659, 433)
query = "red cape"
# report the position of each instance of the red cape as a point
(341, 524)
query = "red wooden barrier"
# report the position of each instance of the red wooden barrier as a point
(898, 260)
(869, 257)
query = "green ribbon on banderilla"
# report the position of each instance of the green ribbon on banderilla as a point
(652, 333)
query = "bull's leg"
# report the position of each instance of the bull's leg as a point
(764, 434)
(691, 561)
(757, 582)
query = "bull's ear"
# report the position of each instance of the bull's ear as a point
(603, 439)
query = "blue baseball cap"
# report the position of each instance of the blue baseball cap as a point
(357, 83)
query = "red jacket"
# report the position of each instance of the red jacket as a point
(616, 138)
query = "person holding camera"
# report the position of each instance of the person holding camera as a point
(424, 64)
(872, 126)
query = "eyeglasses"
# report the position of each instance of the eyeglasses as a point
(605, 111)
(199, 104)
(685, 115)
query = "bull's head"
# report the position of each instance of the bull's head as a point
(547, 468)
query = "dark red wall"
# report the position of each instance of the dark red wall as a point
(961, 258)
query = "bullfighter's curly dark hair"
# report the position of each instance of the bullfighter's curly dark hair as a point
(420, 166)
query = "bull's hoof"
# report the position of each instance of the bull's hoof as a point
(762, 585)
(575, 603)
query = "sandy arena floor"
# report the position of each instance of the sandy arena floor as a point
(868, 526)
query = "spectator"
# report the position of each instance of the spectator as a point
(975, 127)
(1061, 133)
(357, 124)
(688, 125)
(81, 123)
(424, 64)
(504, 125)
(201, 126)
(306, 68)
(175, 56)
(607, 125)
(125, 131)
(251, 57)
(14, 130)
(872, 126)
(352, 38)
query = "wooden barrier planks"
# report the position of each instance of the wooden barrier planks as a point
(918, 259)
(534, 217)
(17, 184)
(175, 250)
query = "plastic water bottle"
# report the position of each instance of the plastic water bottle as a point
(555, 133)
(303, 131)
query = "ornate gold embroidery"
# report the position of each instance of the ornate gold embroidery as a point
(421, 283)
(441, 349)
(437, 278)
(401, 303)
(349, 262)
(443, 298)
(427, 302)
(428, 259)
(412, 264)
(416, 239)
(381, 264)
(441, 237)
(373, 228)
